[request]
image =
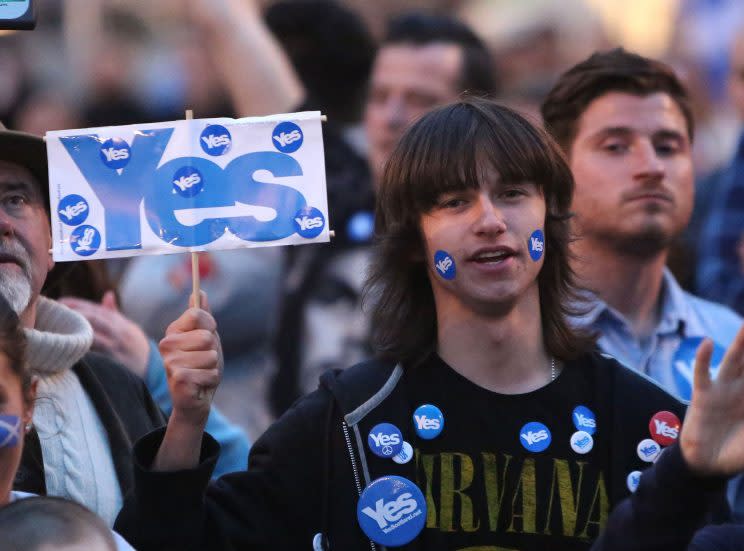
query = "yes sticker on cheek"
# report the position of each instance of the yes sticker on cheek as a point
(10, 431)
(536, 245)
(444, 265)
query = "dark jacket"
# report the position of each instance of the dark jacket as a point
(306, 472)
(125, 409)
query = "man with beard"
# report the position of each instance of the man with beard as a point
(626, 126)
(89, 410)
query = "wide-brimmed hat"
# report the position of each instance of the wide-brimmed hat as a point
(29, 151)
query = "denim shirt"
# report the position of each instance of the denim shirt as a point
(666, 355)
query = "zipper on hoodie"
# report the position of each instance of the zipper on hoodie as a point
(357, 481)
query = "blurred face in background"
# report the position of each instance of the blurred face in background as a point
(736, 76)
(407, 81)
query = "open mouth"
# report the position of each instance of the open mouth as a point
(492, 257)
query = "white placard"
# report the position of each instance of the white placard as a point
(188, 185)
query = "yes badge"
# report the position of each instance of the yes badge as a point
(215, 140)
(73, 209)
(535, 437)
(385, 440)
(684, 360)
(287, 137)
(664, 427)
(582, 442)
(391, 511)
(584, 419)
(10, 431)
(428, 421)
(536, 245)
(632, 481)
(444, 264)
(309, 222)
(648, 450)
(405, 455)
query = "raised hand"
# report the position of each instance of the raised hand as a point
(712, 438)
(193, 364)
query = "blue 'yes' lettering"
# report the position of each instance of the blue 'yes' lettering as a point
(121, 194)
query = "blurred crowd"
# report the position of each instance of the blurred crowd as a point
(106, 62)
(286, 315)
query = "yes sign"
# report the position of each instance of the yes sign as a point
(185, 200)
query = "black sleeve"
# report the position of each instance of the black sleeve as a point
(275, 503)
(668, 507)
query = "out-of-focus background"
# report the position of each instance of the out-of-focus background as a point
(110, 62)
(106, 62)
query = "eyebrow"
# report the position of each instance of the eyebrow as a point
(20, 185)
(625, 131)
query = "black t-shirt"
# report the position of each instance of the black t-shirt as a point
(485, 490)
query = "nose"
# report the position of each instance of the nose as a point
(648, 165)
(7, 229)
(395, 112)
(489, 219)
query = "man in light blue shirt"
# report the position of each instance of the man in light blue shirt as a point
(625, 123)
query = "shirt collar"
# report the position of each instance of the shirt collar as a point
(674, 308)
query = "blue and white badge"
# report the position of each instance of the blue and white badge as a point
(385, 440)
(405, 454)
(444, 264)
(584, 419)
(215, 140)
(361, 226)
(428, 421)
(392, 511)
(582, 442)
(309, 222)
(287, 137)
(73, 209)
(187, 181)
(10, 431)
(535, 437)
(85, 240)
(684, 360)
(115, 153)
(536, 245)
(648, 450)
(632, 481)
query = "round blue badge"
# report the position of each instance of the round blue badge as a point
(385, 440)
(309, 222)
(633, 479)
(73, 209)
(535, 437)
(187, 181)
(391, 511)
(537, 245)
(444, 264)
(361, 226)
(684, 360)
(115, 153)
(584, 419)
(215, 140)
(10, 431)
(287, 137)
(428, 421)
(85, 240)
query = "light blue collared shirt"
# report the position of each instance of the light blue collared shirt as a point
(682, 317)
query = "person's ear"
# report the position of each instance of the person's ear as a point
(30, 400)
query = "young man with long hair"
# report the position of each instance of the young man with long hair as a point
(486, 421)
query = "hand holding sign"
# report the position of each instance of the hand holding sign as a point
(193, 365)
(712, 438)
